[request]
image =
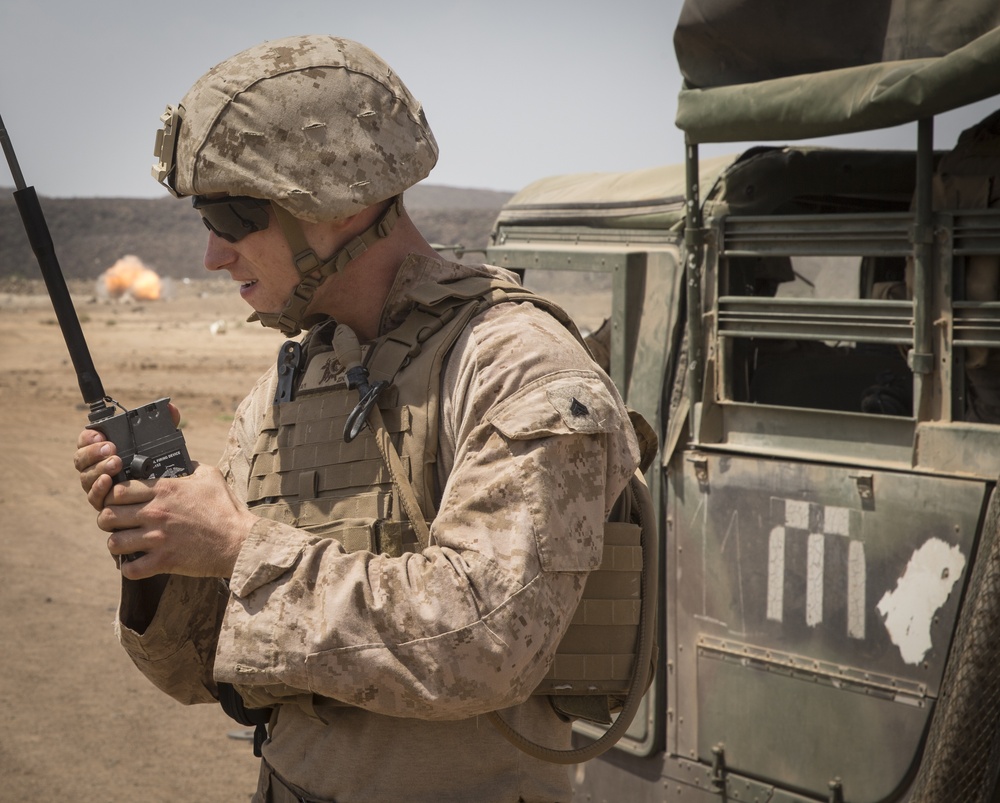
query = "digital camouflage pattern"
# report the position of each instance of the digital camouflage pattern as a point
(318, 124)
(423, 644)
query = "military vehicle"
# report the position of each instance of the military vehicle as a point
(814, 333)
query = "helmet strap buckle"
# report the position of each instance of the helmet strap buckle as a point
(313, 270)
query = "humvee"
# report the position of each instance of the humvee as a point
(814, 334)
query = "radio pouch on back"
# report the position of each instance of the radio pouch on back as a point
(606, 660)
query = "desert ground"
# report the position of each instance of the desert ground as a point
(80, 722)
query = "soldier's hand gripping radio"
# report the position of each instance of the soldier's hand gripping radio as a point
(147, 441)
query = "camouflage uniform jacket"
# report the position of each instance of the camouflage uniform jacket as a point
(421, 645)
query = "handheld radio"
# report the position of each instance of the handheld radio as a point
(147, 441)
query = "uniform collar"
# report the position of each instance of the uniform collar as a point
(417, 270)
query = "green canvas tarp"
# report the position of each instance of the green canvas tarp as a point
(782, 70)
(652, 198)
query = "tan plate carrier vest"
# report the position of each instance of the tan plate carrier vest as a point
(306, 475)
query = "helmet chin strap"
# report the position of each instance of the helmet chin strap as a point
(293, 319)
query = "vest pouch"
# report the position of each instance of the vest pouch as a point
(596, 655)
(607, 658)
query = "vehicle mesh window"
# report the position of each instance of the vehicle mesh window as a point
(843, 353)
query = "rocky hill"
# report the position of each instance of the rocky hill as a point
(91, 234)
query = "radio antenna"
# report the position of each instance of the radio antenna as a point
(45, 253)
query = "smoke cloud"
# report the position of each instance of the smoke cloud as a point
(129, 277)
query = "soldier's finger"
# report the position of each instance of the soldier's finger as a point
(89, 455)
(98, 490)
(89, 436)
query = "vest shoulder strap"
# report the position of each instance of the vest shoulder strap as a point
(437, 304)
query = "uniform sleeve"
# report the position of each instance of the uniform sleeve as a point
(540, 447)
(176, 649)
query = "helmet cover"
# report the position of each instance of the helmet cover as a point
(320, 125)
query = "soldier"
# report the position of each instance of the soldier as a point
(384, 555)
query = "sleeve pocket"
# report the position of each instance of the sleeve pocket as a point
(557, 428)
(569, 402)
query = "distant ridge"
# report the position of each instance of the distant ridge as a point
(438, 196)
(91, 234)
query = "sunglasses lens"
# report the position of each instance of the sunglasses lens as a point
(232, 218)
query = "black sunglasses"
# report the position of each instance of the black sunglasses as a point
(232, 217)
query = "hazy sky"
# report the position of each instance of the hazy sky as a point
(514, 89)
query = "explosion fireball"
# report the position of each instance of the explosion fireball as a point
(129, 276)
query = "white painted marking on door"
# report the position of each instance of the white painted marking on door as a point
(857, 574)
(796, 514)
(814, 578)
(799, 519)
(776, 574)
(837, 521)
(909, 609)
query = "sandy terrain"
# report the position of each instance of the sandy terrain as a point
(80, 723)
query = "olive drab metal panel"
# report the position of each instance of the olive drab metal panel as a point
(809, 599)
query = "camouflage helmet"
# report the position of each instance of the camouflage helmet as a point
(319, 125)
